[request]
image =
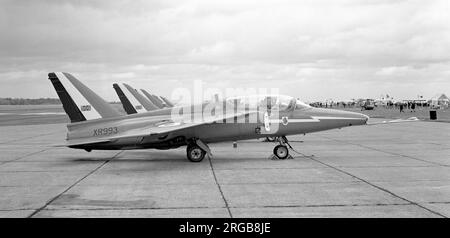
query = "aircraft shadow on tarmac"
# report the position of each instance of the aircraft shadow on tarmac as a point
(76, 200)
(179, 158)
(146, 160)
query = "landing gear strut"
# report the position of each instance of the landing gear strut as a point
(281, 151)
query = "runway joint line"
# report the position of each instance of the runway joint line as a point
(220, 188)
(73, 185)
(386, 152)
(25, 156)
(378, 187)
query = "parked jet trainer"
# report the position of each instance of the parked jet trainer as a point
(95, 125)
(134, 102)
(154, 99)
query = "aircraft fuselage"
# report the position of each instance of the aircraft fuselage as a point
(285, 123)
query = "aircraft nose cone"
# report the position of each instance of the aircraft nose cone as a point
(359, 115)
(364, 118)
(340, 117)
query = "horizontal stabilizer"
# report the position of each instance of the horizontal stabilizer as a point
(78, 142)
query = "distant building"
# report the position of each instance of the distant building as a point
(439, 101)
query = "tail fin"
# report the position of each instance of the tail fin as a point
(79, 102)
(148, 105)
(129, 102)
(127, 106)
(159, 98)
(153, 99)
(169, 103)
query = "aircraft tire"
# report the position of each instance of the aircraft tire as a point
(271, 138)
(281, 151)
(195, 153)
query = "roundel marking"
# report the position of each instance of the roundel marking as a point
(285, 120)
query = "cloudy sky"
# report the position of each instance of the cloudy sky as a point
(312, 49)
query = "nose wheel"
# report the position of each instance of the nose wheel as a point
(281, 151)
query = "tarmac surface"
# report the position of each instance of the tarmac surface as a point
(396, 170)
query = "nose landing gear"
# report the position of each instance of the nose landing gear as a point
(281, 151)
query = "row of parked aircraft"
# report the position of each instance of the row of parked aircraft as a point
(134, 101)
(150, 122)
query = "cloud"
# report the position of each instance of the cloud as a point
(294, 44)
(389, 71)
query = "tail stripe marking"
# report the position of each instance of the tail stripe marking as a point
(136, 104)
(70, 107)
(148, 106)
(88, 111)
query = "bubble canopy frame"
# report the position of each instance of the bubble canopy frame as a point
(271, 102)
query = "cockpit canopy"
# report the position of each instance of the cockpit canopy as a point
(267, 102)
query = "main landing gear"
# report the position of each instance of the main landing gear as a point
(195, 153)
(196, 150)
(281, 151)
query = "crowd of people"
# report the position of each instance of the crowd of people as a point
(401, 106)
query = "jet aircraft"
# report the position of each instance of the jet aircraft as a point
(159, 101)
(95, 125)
(132, 100)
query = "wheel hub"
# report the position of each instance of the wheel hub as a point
(196, 153)
(281, 152)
